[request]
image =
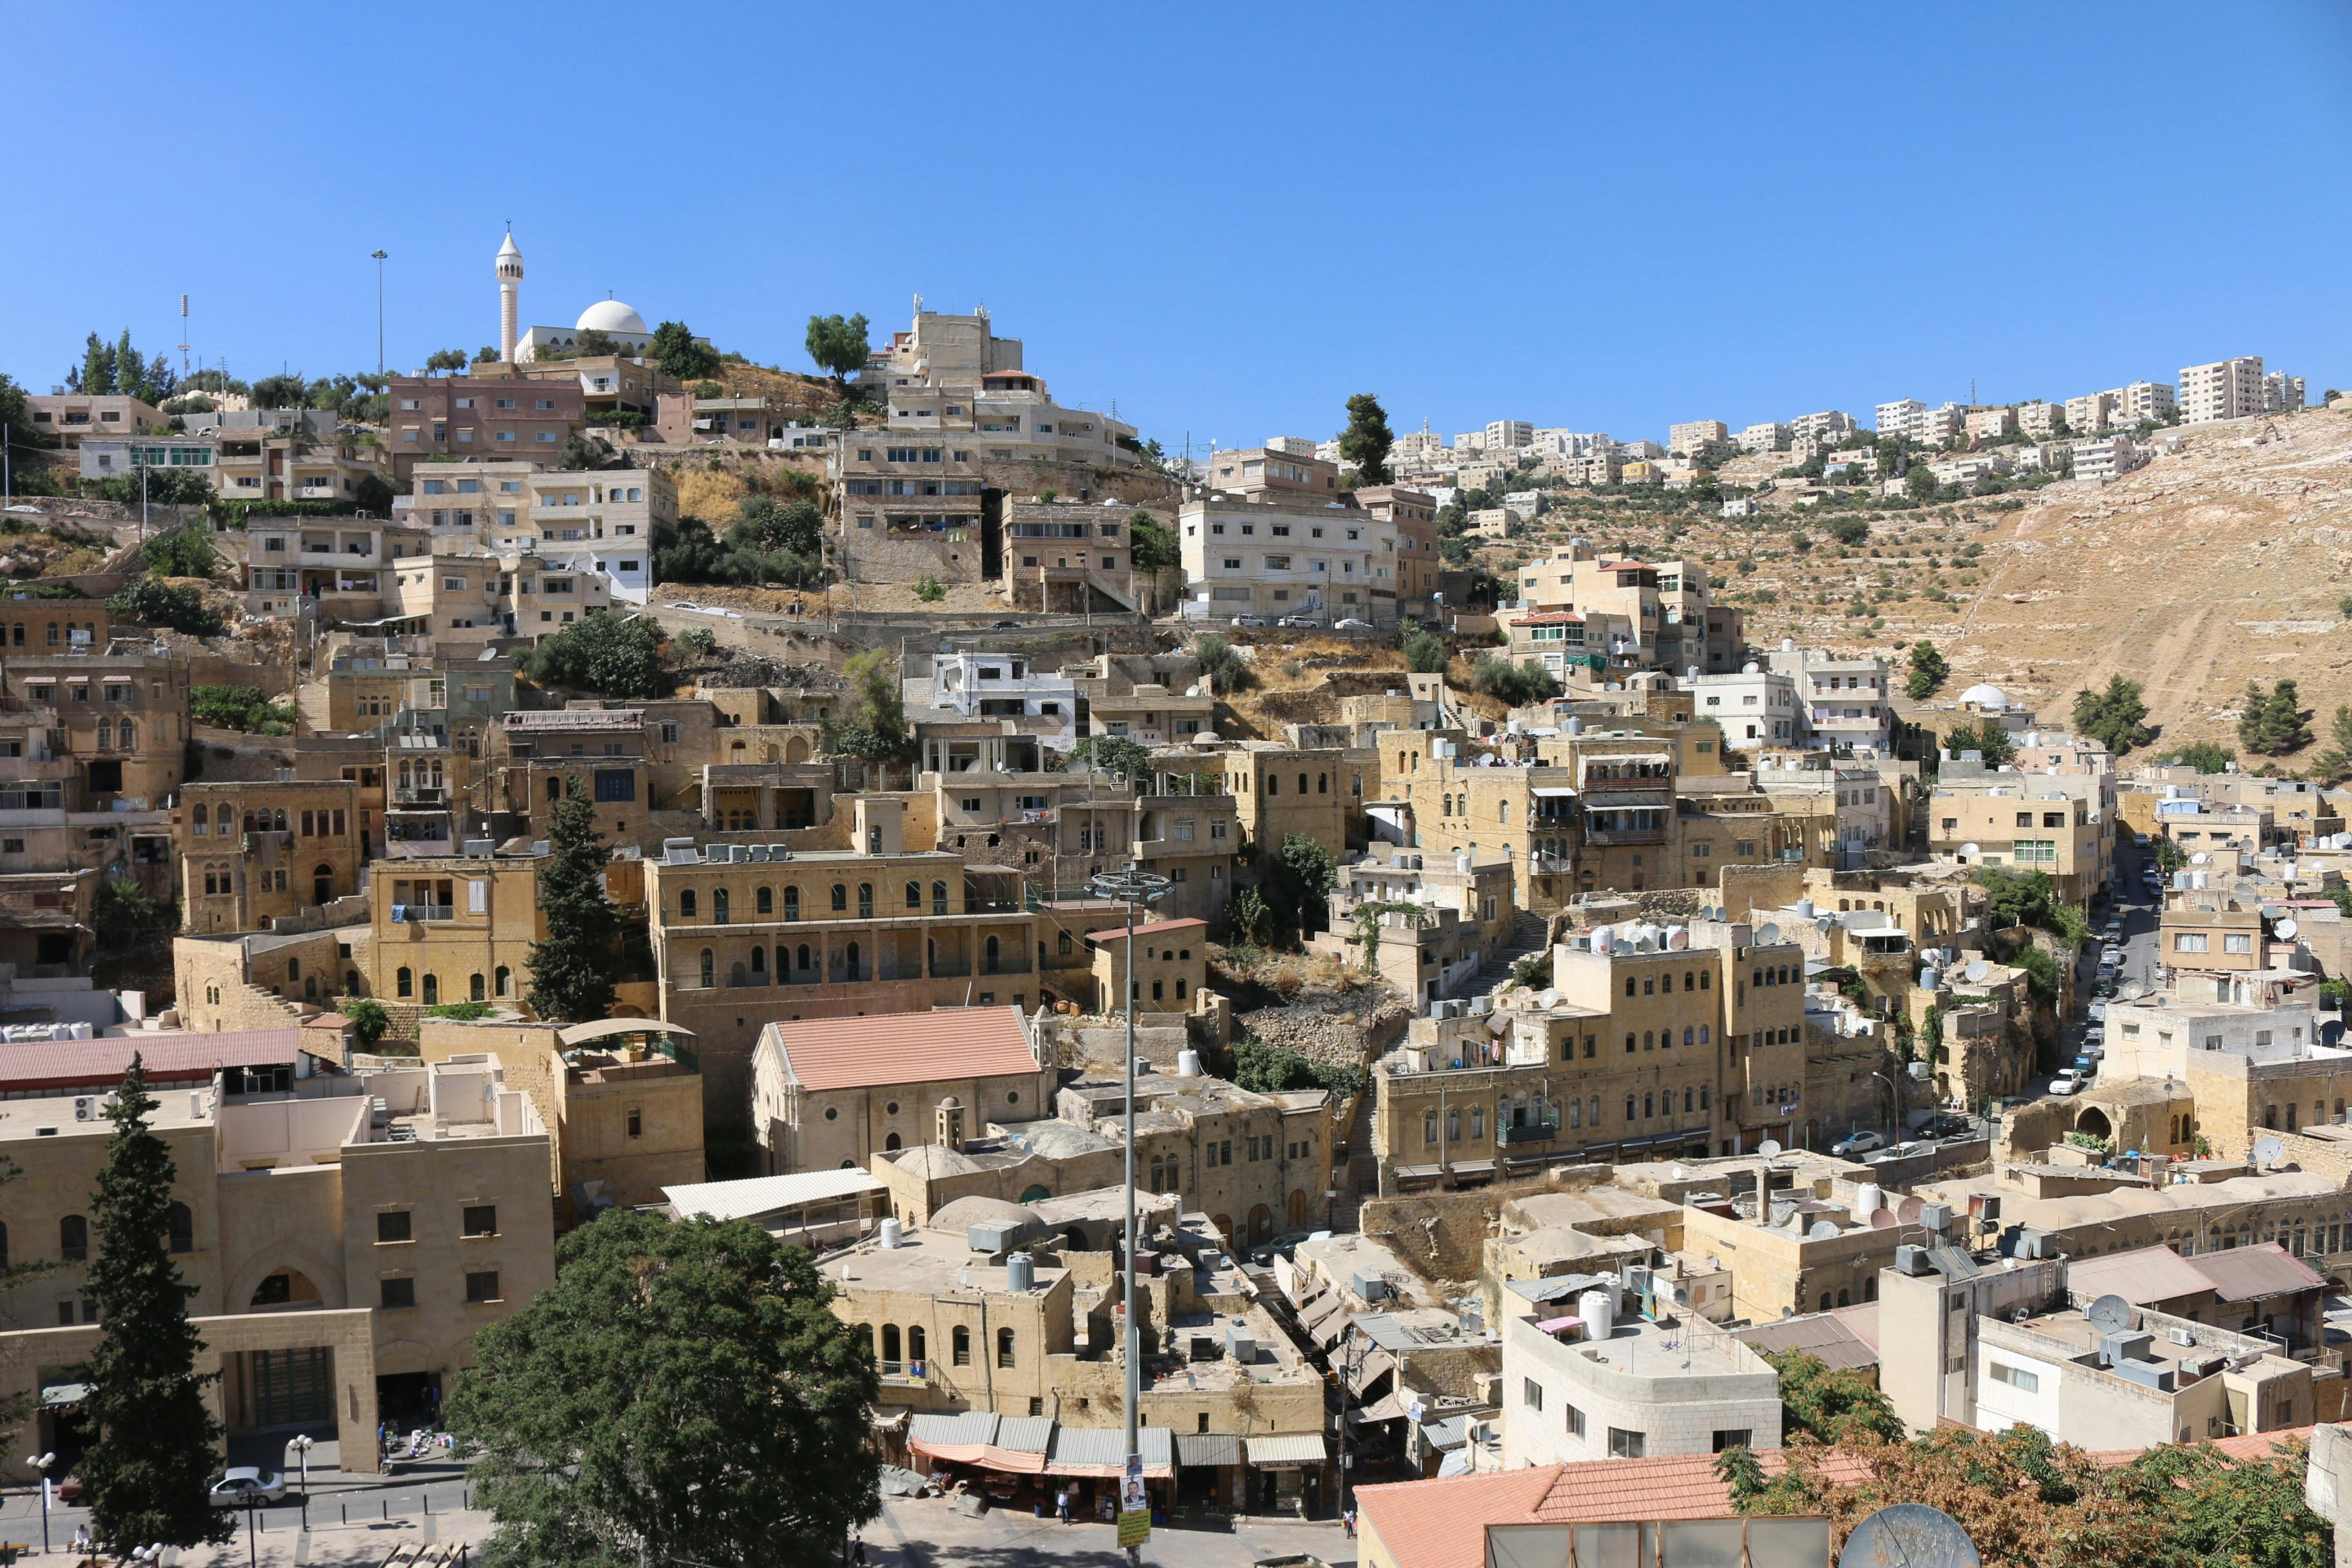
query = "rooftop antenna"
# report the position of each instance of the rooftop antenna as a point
(183, 333)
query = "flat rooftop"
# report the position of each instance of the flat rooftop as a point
(934, 1263)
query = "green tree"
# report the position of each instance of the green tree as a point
(1928, 671)
(1424, 653)
(603, 654)
(283, 391)
(2335, 762)
(1366, 918)
(1297, 880)
(369, 1021)
(1152, 547)
(1988, 738)
(2116, 717)
(372, 496)
(679, 354)
(2017, 897)
(94, 377)
(157, 604)
(182, 552)
(699, 641)
(149, 1469)
(571, 970)
(1515, 684)
(444, 358)
(836, 345)
(1365, 443)
(1129, 760)
(1265, 1069)
(1831, 1404)
(158, 487)
(682, 1394)
(1222, 665)
(1848, 531)
(1919, 484)
(2274, 722)
(873, 724)
(2204, 756)
(244, 707)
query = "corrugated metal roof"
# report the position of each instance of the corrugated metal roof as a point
(765, 1195)
(1301, 1448)
(1822, 1335)
(1208, 1448)
(946, 1043)
(67, 1064)
(2142, 1276)
(1025, 1433)
(964, 1426)
(2247, 1273)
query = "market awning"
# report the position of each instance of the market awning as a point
(1553, 792)
(1317, 1313)
(1474, 1167)
(1207, 1449)
(1387, 1407)
(1329, 1332)
(976, 1437)
(1419, 1173)
(581, 1033)
(1379, 1363)
(1100, 1453)
(1304, 1448)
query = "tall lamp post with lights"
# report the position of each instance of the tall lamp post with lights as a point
(301, 1445)
(41, 1462)
(1136, 889)
(378, 256)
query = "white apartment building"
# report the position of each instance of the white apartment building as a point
(1754, 706)
(2035, 456)
(1828, 424)
(1556, 443)
(1414, 447)
(1585, 1379)
(2282, 393)
(1295, 445)
(2091, 413)
(1694, 436)
(1271, 558)
(1841, 702)
(1469, 441)
(1895, 418)
(2148, 400)
(1510, 433)
(2226, 389)
(606, 521)
(1985, 422)
(2039, 418)
(1637, 450)
(1935, 425)
(1768, 437)
(2105, 458)
(1008, 686)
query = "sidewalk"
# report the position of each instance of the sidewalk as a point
(360, 1546)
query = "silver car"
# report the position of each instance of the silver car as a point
(246, 1484)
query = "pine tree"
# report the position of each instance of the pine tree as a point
(571, 970)
(149, 1470)
(1928, 671)
(2336, 760)
(1366, 441)
(95, 378)
(130, 370)
(2288, 725)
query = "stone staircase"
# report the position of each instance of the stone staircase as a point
(1529, 933)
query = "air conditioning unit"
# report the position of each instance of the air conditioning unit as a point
(2180, 1336)
(85, 1108)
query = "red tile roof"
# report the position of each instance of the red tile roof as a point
(2143, 1276)
(36, 1065)
(1442, 1524)
(906, 1047)
(2247, 1273)
(1154, 928)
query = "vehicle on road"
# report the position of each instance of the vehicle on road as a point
(1946, 1124)
(2098, 1011)
(1350, 623)
(1004, 625)
(244, 1483)
(72, 1489)
(1249, 620)
(1855, 1144)
(1301, 621)
(2067, 1083)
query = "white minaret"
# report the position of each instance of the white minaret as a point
(509, 295)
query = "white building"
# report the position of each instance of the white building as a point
(2039, 418)
(2105, 458)
(1895, 418)
(1294, 446)
(2148, 400)
(1841, 702)
(605, 520)
(1270, 559)
(1755, 706)
(1695, 437)
(622, 325)
(2226, 389)
(1008, 686)
(1828, 424)
(2282, 393)
(1510, 433)
(1740, 506)
(1469, 441)
(1768, 437)
(1584, 1379)
(1558, 443)
(1639, 451)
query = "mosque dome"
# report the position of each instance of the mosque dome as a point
(611, 316)
(1983, 696)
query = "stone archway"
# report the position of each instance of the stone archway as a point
(325, 1279)
(2094, 1121)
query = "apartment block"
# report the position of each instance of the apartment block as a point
(1897, 418)
(1412, 517)
(1842, 702)
(2145, 400)
(1068, 557)
(2281, 393)
(67, 418)
(1270, 560)
(2225, 389)
(1984, 423)
(1272, 474)
(1691, 439)
(605, 520)
(122, 715)
(2020, 826)
(910, 505)
(1668, 605)
(1830, 425)
(253, 851)
(480, 416)
(952, 376)
(2091, 413)
(112, 457)
(2105, 457)
(1508, 434)
(1768, 437)
(1611, 1382)
(2041, 419)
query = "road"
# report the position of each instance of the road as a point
(335, 1500)
(2136, 973)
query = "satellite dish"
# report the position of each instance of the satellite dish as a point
(2268, 1151)
(2110, 1314)
(2199, 859)
(1907, 1211)
(1970, 849)
(1977, 970)
(1767, 1148)
(2285, 929)
(1882, 1219)
(1909, 1535)
(1824, 1230)
(1767, 935)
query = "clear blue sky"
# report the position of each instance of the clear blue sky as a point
(1228, 220)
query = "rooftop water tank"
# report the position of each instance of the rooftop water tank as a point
(1188, 1063)
(1869, 1199)
(1600, 1317)
(889, 1234)
(1020, 1272)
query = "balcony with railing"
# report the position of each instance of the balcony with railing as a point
(1531, 1133)
(422, 914)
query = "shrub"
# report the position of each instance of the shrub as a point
(929, 590)
(240, 707)
(1515, 684)
(152, 603)
(697, 641)
(369, 1021)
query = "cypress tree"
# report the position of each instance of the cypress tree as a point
(571, 970)
(149, 1471)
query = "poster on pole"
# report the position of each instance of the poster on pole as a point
(1134, 1505)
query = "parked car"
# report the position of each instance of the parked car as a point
(1946, 1124)
(1350, 623)
(2098, 1011)
(1855, 1144)
(1299, 621)
(2139, 840)
(1249, 620)
(244, 1483)
(2067, 1083)
(2086, 1064)
(1004, 625)
(72, 1489)
(2093, 1048)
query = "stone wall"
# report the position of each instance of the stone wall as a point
(877, 556)
(1443, 1235)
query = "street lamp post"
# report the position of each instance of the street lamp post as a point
(1133, 886)
(301, 1446)
(1896, 1084)
(378, 257)
(252, 1551)
(41, 1462)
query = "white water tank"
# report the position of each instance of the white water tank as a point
(1020, 1272)
(889, 1233)
(1600, 1317)
(1869, 1198)
(1188, 1063)
(1804, 909)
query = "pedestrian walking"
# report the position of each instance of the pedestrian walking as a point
(857, 1550)
(1062, 1502)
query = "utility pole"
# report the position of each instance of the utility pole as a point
(378, 256)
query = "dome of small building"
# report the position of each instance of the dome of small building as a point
(610, 316)
(965, 1213)
(1982, 695)
(950, 1103)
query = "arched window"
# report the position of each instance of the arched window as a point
(1649, 1107)
(1477, 1122)
(719, 905)
(1702, 1096)
(201, 813)
(404, 983)
(477, 989)
(1629, 1042)
(865, 900)
(850, 955)
(801, 957)
(686, 905)
(939, 897)
(889, 1344)
(1666, 982)
(1689, 1034)
(890, 1142)
(1322, 783)
(281, 820)
(1274, 784)
(840, 898)
(914, 895)
(792, 903)
(960, 1344)
(130, 736)
(73, 1238)
(709, 968)
(1429, 1128)
(248, 822)
(1632, 1106)
(1690, 981)
(1004, 1347)
(916, 1344)
(990, 955)
(4, 1246)
(505, 978)
(1302, 783)
(1705, 980)
(432, 990)
(1063, 944)
(763, 902)
(293, 968)
(1648, 1039)
(180, 1227)
(759, 960)
(554, 790)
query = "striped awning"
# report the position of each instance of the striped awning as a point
(979, 1437)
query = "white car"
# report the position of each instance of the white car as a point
(1846, 1148)
(245, 1484)
(2098, 1011)
(2068, 1082)
(1350, 623)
